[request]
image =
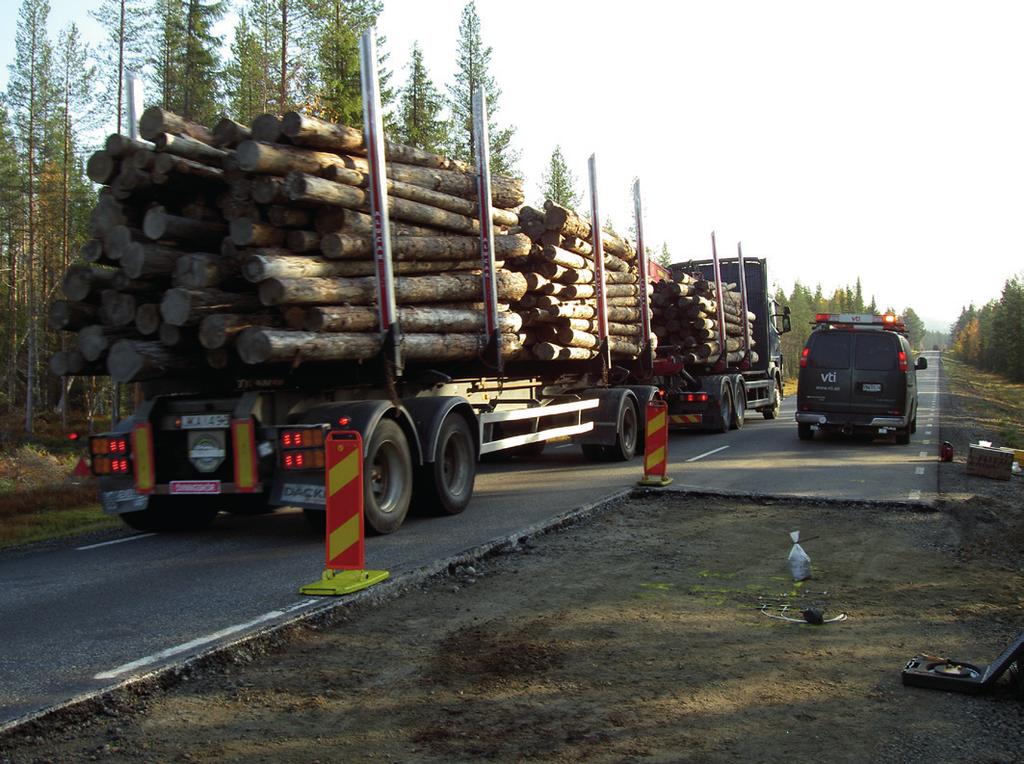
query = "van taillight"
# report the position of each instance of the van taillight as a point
(903, 361)
(805, 356)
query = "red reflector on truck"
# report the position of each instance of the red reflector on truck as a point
(243, 441)
(142, 457)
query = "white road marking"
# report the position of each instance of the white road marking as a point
(187, 646)
(919, 470)
(927, 432)
(115, 541)
(701, 456)
(923, 453)
(926, 442)
(914, 495)
(566, 445)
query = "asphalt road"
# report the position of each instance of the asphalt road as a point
(78, 618)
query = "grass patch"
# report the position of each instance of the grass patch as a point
(993, 403)
(24, 528)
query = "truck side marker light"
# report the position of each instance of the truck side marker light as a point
(345, 537)
(243, 436)
(656, 446)
(142, 457)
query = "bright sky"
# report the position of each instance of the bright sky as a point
(876, 139)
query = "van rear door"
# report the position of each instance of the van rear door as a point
(825, 381)
(879, 387)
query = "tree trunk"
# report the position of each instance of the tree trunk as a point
(408, 289)
(340, 246)
(68, 315)
(84, 282)
(227, 133)
(95, 340)
(160, 224)
(189, 148)
(257, 346)
(220, 329)
(155, 120)
(137, 360)
(354, 318)
(185, 307)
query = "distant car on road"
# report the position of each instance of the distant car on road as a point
(857, 375)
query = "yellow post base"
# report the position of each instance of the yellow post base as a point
(655, 482)
(335, 582)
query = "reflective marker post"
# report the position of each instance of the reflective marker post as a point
(656, 446)
(492, 355)
(345, 536)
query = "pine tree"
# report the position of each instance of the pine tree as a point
(246, 83)
(559, 182)
(28, 90)
(122, 49)
(473, 60)
(420, 108)
(12, 238)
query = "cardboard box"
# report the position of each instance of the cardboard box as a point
(1018, 456)
(990, 462)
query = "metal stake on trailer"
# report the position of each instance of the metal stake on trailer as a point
(745, 362)
(600, 288)
(492, 353)
(373, 136)
(647, 353)
(722, 362)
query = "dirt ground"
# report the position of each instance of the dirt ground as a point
(637, 635)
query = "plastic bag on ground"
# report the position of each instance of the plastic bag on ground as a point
(799, 560)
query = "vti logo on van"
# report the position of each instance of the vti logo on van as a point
(829, 376)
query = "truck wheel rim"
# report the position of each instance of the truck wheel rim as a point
(455, 464)
(384, 483)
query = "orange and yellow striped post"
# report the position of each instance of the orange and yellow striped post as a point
(345, 547)
(656, 445)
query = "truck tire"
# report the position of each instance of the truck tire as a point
(446, 482)
(739, 410)
(725, 409)
(627, 435)
(387, 478)
(903, 436)
(772, 412)
(163, 517)
(804, 432)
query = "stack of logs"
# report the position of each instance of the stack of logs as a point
(255, 243)
(685, 317)
(559, 309)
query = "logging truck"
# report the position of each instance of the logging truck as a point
(715, 389)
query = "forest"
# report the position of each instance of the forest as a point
(992, 337)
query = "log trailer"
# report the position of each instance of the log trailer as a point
(716, 396)
(251, 441)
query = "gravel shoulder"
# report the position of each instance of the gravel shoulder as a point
(636, 635)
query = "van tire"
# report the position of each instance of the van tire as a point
(804, 432)
(903, 436)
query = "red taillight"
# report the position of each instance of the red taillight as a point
(305, 459)
(696, 397)
(903, 361)
(72, 436)
(344, 421)
(805, 356)
(312, 437)
(106, 445)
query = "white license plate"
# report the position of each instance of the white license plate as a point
(200, 487)
(205, 421)
(871, 387)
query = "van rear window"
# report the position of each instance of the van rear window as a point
(875, 352)
(831, 350)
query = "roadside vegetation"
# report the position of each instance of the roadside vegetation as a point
(992, 337)
(993, 403)
(38, 497)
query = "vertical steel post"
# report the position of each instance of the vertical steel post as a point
(492, 353)
(745, 362)
(133, 84)
(722, 362)
(600, 287)
(373, 137)
(647, 353)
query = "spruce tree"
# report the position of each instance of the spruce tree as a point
(559, 182)
(201, 66)
(664, 257)
(166, 51)
(420, 106)
(332, 81)
(473, 60)
(122, 49)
